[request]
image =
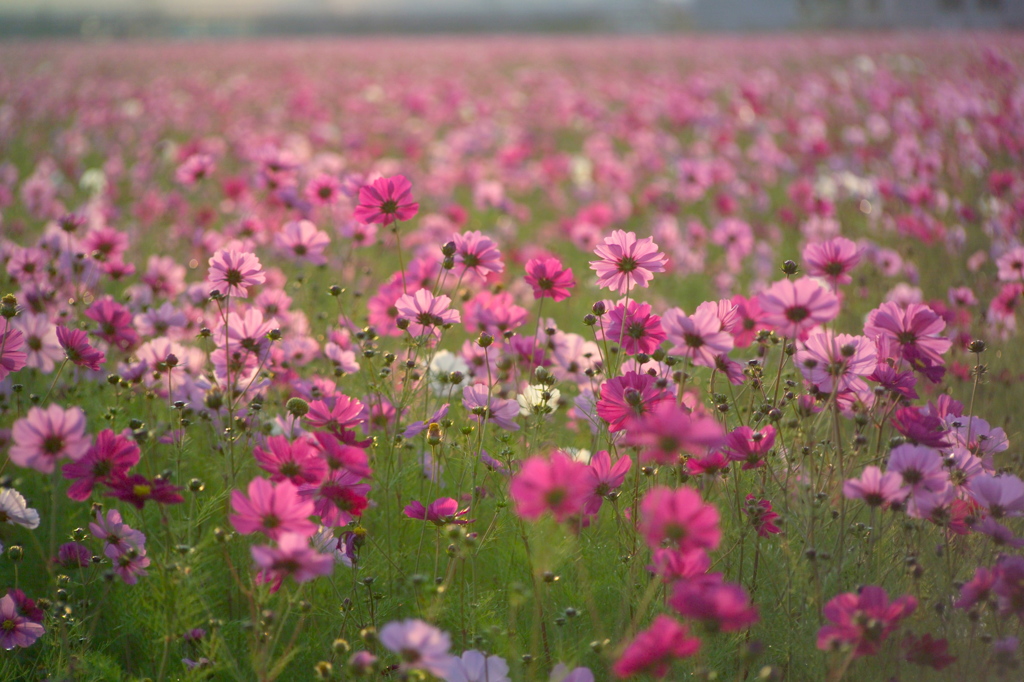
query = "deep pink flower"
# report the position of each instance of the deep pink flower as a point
(337, 413)
(76, 346)
(338, 498)
(761, 516)
(700, 336)
(680, 518)
(863, 620)
(718, 605)
(832, 260)
(339, 455)
(653, 650)
(12, 357)
(477, 254)
(921, 428)
(876, 488)
(115, 322)
(385, 201)
(711, 464)
(549, 279)
(304, 241)
(558, 485)
(604, 478)
(669, 430)
(137, 489)
(109, 458)
(638, 329)
(626, 399)
(292, 557)
(625, 260)
(42, 437)
(749, 317)
(232, 272)
(426, 312)
(743, 444)
(271, 509)
(15, 628)
(913, 330)
(441, 512)
(793, 308)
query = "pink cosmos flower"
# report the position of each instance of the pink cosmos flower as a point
(477, 254)
(385, 201)
(232, 272)
(748, 314)
(42, 350)
(421, 646)
(863, 620)
(337, 413)
(743, 444)
(12, 357)
(195, 168)
(110, 458)
(137, 490)
(473, 666)
(42, 437)
(699, 337)
(626, 399)
(680, 518)
(876, 488)
(271, 509)
(115, 323)
(558, 484)
(76, 346)
(999, 495)
(340, 455)
(793, 308)
(761, 516)
(478, 401)
(549, 279)
(913, 330)
(129, 565)
(832, 260)
(441, 512)
(625, 260)
(669, 430)
(604, 478)
(718, 605)
(1011, 265)
(636, 327)
(15, 628)
(426, 313)
(836, 362)
(920, 467)
(653, 650)
(711, 464)
(323, 189)
(338, 498)
(292, 557)
(118, 536)
(304, 241)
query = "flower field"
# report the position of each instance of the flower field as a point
(512, 358)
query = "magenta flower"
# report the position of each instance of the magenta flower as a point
(115, 323)
(745, 445)
(761, 516)
(76, 346)
(680, 518)
(558, 485)
(604, 478)
(109, 458)
(711, 464)
(42, 437)
(271, 509)
(421, 646)
(118, 536)
(875, 488)
(16, 629)
(653, 650)
(137, 490)
(669, 430)
(718, 605)
(625, 260)
(927, 651)
(304, 241)
(914, 331)
(477, 254)
(339, 455)
(921, 428)
(337, 413)
(12, 357)
(699, 337)
(292, 557)
(232, 272)
(549, 279)
(339, 498)
(385, 201)
(863, 620)
(441, 512)
(426, 313)
(977, 589)
(832, 260)
(636, 327)
(626, 399)
(793, 308)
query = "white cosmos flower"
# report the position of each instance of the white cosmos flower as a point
(444, 363)
(538, 399)
(14, 509)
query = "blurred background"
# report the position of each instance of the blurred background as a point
(201, 18)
